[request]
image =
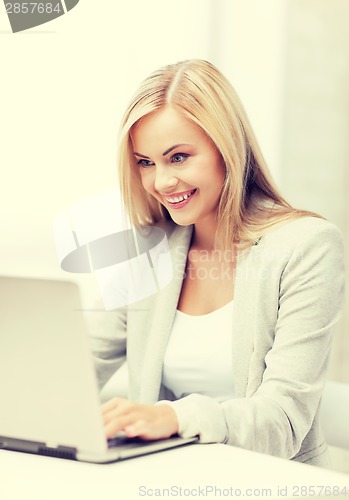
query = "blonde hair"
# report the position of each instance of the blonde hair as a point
(250, 203)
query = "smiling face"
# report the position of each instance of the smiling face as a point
(179, 165)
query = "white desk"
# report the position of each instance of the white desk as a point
(217, 466)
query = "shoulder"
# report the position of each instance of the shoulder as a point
(303, 232)
(306, 241)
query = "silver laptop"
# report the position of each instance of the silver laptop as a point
(49, 397)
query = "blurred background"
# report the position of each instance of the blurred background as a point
(65, 85)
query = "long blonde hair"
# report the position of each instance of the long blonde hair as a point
(250, 203)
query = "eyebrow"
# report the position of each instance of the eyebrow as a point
(164, 153)
(172, 148)
(141, 156)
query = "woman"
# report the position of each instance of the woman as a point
(235, 349)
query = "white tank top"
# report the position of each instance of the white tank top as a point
(198, 357)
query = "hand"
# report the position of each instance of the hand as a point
(145, 421)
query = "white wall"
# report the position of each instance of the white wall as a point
(248, 45)
(64, 86)
(315, 150)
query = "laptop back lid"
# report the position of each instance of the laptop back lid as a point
(48, 387)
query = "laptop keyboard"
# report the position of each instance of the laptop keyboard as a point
(125, 441)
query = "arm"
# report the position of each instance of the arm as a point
(108, 339)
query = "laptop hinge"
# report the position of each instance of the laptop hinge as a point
(58, 452)
(37, 448)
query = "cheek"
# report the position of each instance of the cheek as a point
(146, 180)
(218, 179)
(217, 172)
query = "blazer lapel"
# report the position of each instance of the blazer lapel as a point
(244, 318)
(162, 315)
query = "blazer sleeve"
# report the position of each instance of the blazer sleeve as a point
(108, 342)
(278, 416)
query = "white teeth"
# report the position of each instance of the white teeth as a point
(177, 199)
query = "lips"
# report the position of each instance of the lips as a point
(180, 197)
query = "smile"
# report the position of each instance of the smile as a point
(180, 198)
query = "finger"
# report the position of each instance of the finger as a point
(111, 404)
(124, 408)
(145, 430)
(136, 429)
(117, 425)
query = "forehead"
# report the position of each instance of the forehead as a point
(165, 125)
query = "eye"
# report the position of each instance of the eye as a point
(145, 163)
(179, 158)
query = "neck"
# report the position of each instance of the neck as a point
(204, 234)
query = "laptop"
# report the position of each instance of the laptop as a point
(50, 403)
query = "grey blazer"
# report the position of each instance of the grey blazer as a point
(288, 295)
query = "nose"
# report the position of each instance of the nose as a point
(165, 180)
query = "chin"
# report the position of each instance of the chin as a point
(182, 221)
